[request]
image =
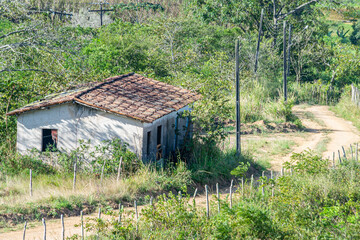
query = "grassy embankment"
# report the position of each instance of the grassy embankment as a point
(348, 109)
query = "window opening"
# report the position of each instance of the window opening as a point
(49, 140)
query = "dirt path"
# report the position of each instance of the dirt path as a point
(322, 126)
(326, 132)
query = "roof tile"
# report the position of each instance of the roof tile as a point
(132, 95)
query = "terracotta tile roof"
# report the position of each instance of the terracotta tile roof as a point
(131, 95)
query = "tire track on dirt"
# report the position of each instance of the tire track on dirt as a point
(323, 125)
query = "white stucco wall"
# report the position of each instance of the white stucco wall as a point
(75, 122)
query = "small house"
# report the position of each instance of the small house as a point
(142, 112)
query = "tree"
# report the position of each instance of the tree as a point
(246, 14)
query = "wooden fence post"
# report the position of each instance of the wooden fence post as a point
(207, 202)
(136, 216)
(24, 230)
(242, 186)
(30, 186)
(119, 170)
(339, 157)
(44, 223)
(352, 152)
(99, 217)
(74, 181)
(62, 227)
(194, 202)
(82, 225)
(251, 183)
(231, 186)
(120, 212)
(357, 151)
(344, 152)
(262, 184)
(218, 196)
(282, 171)
(102, 172)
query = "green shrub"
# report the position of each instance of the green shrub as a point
(18, 164)
(307, 162)
(355, 35)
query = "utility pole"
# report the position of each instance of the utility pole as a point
(259, 39)
(238, 140)
(101, 10)
(285, 60)
(289, 51)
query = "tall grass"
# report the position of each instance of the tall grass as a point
(315, 93)
(257, 103)
(313, 203)
(54, 194)
(347, 109)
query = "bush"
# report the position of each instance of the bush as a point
(307, 162)
(355, 35)
(17, 164)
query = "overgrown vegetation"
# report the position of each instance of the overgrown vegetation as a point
(314, 202)
(348, 109)
(189, 44)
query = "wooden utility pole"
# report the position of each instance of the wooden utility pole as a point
(101, 10)
(238, 141)
(289, 52)
(275, 20)
(259, 39)
(285, 60)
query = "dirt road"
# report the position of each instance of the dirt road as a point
(322, 126)
(327, 132)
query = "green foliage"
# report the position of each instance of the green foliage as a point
(174, 218)
(240, 170)
(107, 155)
(347, 109)
(209, 164)
(315, 93)
(307, 162)
(17, 164)
(284, 110)
(355, 35)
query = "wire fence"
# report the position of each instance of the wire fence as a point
(255, 185)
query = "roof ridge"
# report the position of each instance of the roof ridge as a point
(107, 81)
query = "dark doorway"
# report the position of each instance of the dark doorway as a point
(158, 141)
(148, 143)
(49, 140)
